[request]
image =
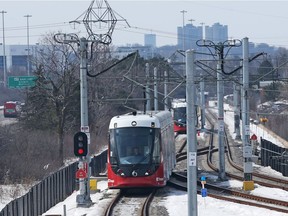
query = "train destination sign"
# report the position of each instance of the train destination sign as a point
(21, 81)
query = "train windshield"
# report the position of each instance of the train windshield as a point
(180, 114)
(132, 145)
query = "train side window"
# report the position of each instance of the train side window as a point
(156, 150)
(113, 151)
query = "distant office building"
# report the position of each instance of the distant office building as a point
(188, 36)
(16, 57)
(216, 33)
(150, 40)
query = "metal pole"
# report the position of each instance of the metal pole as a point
(166, 90)
(191, 134)
(4, 54)
(84, 186)
(220, 96)
(155, 90)
(202, 85)
(148, 103)
(237, 109)
(28, 48)
(248, 184)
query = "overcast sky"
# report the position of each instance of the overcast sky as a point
(260, 21)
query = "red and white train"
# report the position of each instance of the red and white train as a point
(179, 115)
(141, 150)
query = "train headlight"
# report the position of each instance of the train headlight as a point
(148, 172)
(133, 123)
(120, 172)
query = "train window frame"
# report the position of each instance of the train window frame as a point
(124, 133)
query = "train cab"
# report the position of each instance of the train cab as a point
(140, 147)
(179, 115)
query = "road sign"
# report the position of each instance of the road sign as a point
(253, 137)
(81, 174)
(21, 81)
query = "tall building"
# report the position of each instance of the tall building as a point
(216, 33)
(16, 57)
(150, 40)
(191, 35)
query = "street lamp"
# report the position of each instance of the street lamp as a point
(28, 49)
(4, 56)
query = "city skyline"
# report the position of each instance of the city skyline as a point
(261, 22)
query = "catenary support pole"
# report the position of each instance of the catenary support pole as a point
(155, 90)
(236, 97)
(220, 92)
(166, 90)
(84, 186)
(248, 184)
(202, 85)
(191, 134)
(148, 97)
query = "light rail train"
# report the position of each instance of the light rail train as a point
(141, 150)
(179, 115)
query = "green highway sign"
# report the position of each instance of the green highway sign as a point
(21, 81)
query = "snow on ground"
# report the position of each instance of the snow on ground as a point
(11, 192)
(176, 202)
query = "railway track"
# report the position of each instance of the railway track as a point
(236, 171)
(136, 200)
(180, 181)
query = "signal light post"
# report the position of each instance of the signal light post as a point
(80, 144)
(82, 147)
(107, 22)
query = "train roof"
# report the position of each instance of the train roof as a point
(156, 119)
(179, 102)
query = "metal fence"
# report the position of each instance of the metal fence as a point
(272, 155)
(51, 190)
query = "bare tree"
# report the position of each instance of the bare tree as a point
(53, 104)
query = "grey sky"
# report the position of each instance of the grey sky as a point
(260, 21)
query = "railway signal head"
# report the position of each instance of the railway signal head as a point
(80, 144)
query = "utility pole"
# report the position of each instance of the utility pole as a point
(248, 183)
(28, 48)
(191, 134)
(4, 54)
